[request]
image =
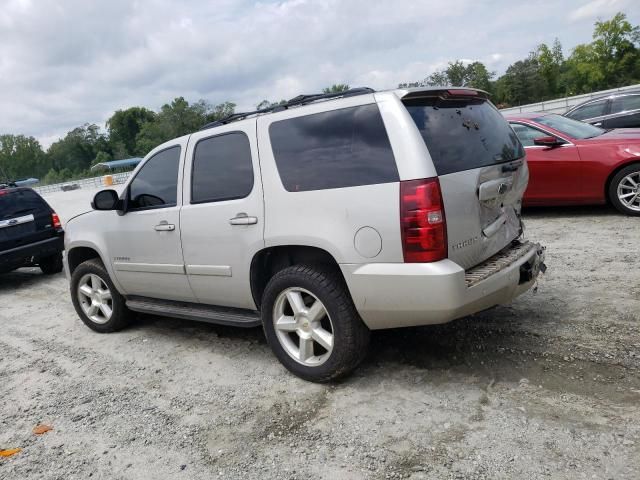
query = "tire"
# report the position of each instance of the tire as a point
(349, 335)
(622, 184)
(51, 265)
(92, 273)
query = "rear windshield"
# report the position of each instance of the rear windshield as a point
(19, 202)
(462, 134)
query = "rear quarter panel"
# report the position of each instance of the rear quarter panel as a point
(329, 219)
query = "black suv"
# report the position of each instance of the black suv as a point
(30, 231)
(620, 110)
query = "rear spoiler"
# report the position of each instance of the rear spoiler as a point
(444, 93)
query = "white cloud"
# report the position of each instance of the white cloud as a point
(63, 64)
(597, 8)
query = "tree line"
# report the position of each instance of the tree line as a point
(611, 60)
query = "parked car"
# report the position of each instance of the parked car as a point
(319, 219)
(30, 231)
(620, 110)
(574, 163)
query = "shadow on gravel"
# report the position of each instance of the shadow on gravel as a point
(24, 277)
(575, 211)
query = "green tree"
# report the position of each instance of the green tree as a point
(457, 74)
(124, 126)
(336, 88)
(77, 150)
(21, 157)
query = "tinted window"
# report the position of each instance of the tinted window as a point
(16, 203)
(156, 184)
(341, 148)
(624, 104)
(527, 134)
(591, 110)
(222, 168)
(570, 127)
(462, 134)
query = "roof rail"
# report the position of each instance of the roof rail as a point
(296, 101)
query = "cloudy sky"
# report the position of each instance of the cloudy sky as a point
(67, 62)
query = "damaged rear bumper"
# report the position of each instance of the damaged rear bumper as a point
(389, 295)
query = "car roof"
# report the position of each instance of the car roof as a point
(606, 96)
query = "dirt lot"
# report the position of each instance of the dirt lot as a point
(547, 387)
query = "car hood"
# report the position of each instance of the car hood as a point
(618, 135)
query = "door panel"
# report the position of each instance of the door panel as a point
(144, 243)
(148, 262)
(554, 175)
(222, 218)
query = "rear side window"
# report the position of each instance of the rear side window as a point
(16, 203)
(222, 168)
(624, 104)
(156, 183)
(463, 133)
(595, 109)
(336, 149)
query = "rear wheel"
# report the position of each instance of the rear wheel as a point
(96, 300)
(311, 323)
(51, 265)
(624, 190)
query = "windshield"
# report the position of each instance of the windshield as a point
(572, 128)
(463, 133)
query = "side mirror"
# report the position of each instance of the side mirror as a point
(547, 141)
(106, 200)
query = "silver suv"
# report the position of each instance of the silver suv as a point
(320, 219)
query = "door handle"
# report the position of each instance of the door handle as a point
(165, 227)
(597, 124)
(243, 219)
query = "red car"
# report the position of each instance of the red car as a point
(574, 163)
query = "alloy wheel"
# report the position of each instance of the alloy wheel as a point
(95, 298)
(303, 326)
(629, 191)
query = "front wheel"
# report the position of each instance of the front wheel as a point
(96, 300)
(624, 190)
(311, 323)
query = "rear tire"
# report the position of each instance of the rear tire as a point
(622, 193)
(96, 300)
(51, 265)
(317, 333)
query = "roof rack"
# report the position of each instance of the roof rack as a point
(294, 102)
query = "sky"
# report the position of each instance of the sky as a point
(68, 62)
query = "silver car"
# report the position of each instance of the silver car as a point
(320, 219)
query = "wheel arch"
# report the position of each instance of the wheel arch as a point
(268, 261)
(614, 172)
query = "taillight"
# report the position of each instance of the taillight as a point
(55, 220)
(422, 221)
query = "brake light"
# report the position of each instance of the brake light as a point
(55, 220)
(422, 221)
(462, 92)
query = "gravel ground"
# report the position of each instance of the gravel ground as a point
(547, 387)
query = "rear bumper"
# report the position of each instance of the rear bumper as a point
(389, 295)
(26, 255)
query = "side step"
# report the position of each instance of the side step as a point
(235, 317)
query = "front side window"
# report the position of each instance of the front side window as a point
(625, 104)
(222, 168)
(595, 109)
(527, 134)
(336, 149)
(156, 184)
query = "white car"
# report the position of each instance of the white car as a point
(320, 219)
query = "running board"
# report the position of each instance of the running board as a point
(236, 317)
